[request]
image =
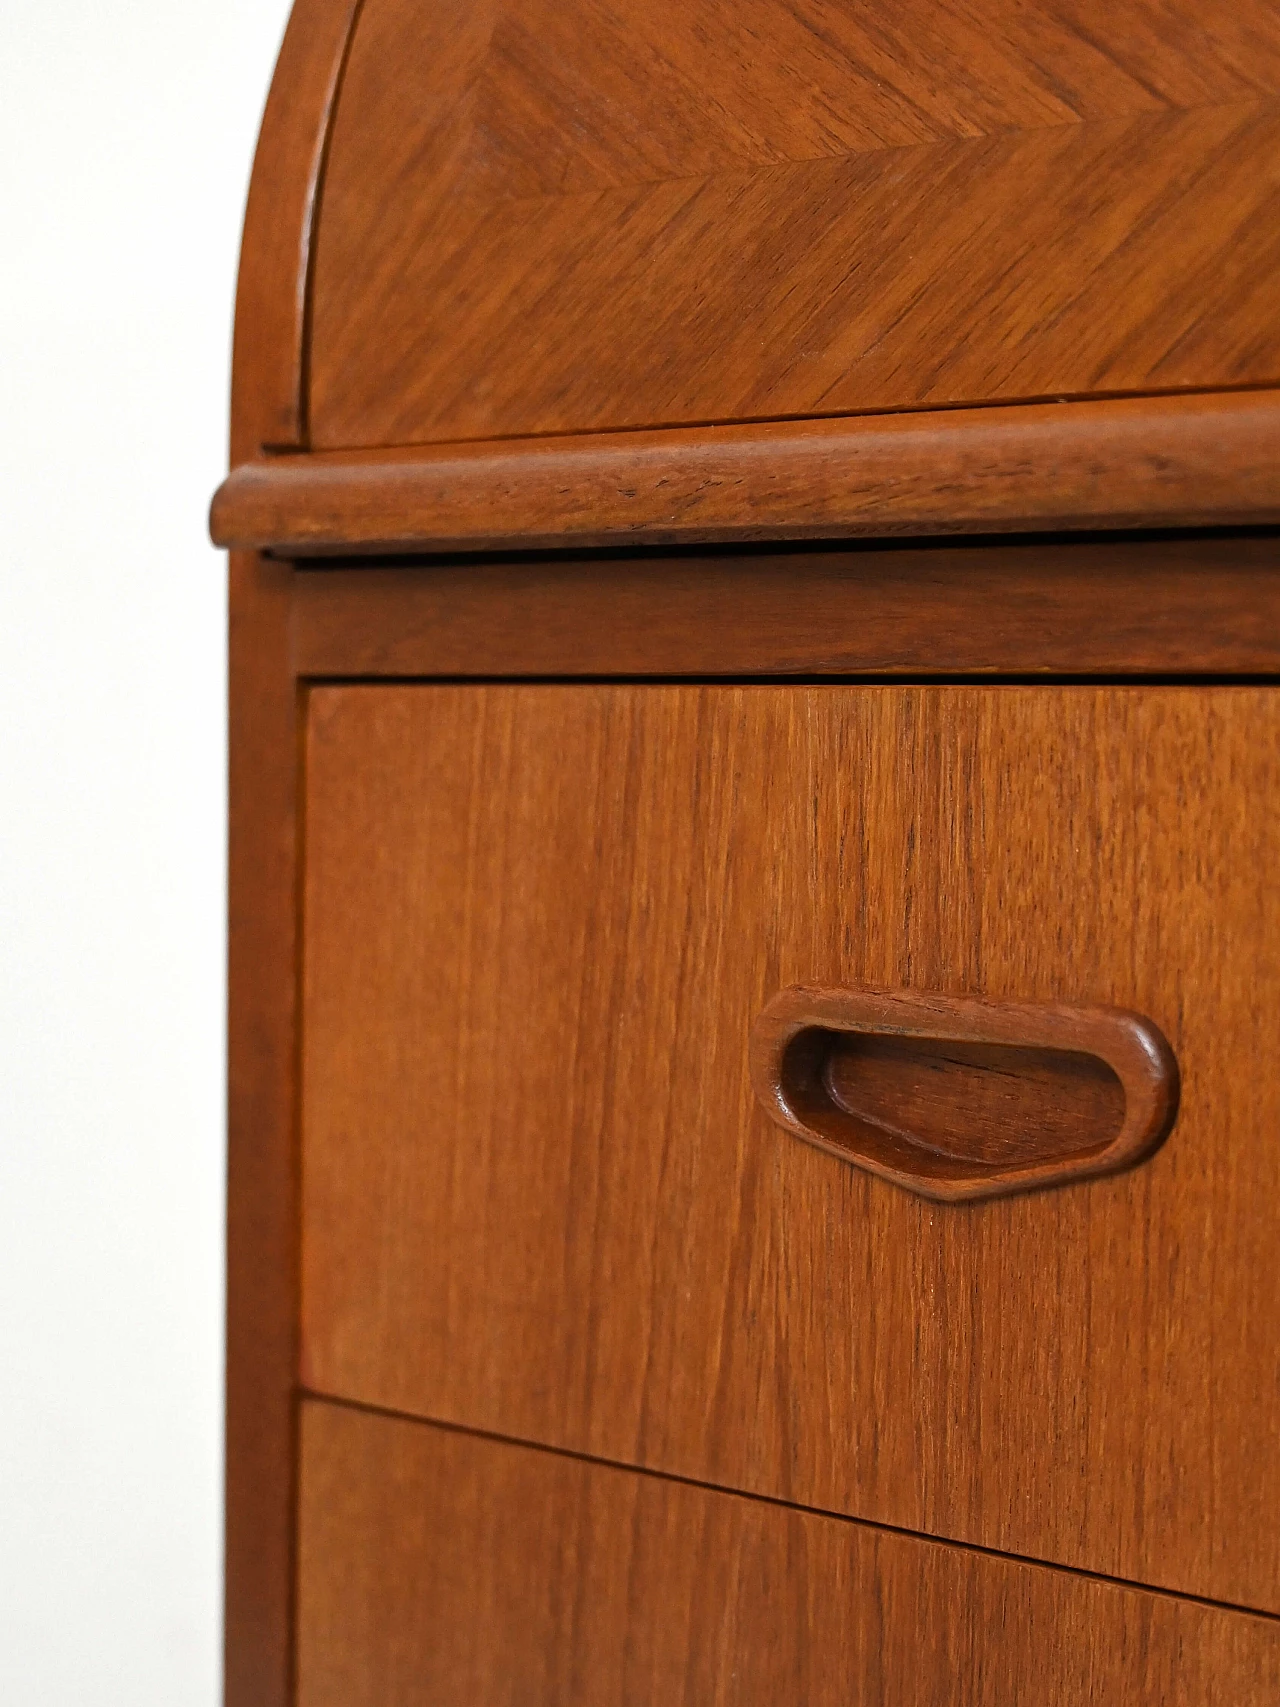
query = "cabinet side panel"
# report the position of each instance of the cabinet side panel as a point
(262, 1213)
(268, 408)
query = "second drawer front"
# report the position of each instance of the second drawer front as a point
(439, 1569)
(539, 1197)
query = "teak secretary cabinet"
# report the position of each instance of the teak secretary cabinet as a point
(755, 961)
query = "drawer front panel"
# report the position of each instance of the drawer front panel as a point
(440, 1568)
(540, 1198)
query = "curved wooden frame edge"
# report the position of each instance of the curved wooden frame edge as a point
(1203, 459)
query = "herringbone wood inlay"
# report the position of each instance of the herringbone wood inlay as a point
(789, 210)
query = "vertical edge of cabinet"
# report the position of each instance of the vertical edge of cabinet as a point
(262, 1262)
(269, 365)
(268, 408)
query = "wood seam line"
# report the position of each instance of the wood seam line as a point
(843, 678)
(1259, 103)
(464, 441)
(301, 696)
(312, 1395)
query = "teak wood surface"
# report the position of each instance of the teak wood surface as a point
(436, 1567)
(960, 1098)
(1170, 606)
(268, 408)
(564, 218)
(1081, 204)
(1128, 462)
(539, 1197)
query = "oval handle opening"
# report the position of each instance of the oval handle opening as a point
(955, 1097)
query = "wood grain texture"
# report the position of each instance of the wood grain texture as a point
(538, 1194)
(639, 213)
(1110, 607)
(1151, 462)
(270, 370)
(959, 1098)
(438, 1568)
(262, 1167)
(978, 1102)
(262, 1234)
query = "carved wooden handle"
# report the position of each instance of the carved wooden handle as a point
(955, 1097)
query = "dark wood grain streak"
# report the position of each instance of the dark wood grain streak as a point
(439, 1568)
(540, 1197)
(262, 1202)
(1151, 462)
(1170, 606)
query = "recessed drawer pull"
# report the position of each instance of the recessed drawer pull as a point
(956, 1097)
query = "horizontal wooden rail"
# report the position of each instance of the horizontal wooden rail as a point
(1202, 460)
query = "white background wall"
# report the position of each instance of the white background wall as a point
(126, 133)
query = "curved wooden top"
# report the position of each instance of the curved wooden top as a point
(621, 232)
(547, 216)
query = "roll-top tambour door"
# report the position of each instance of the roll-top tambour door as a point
(543, 1194)
(546, 216)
